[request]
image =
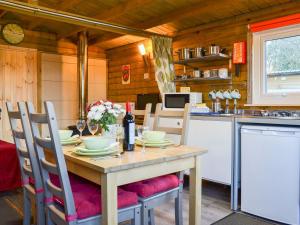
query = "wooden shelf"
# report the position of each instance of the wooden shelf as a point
(217, 57)
(201, 79)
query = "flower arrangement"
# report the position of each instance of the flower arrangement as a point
(104, 113)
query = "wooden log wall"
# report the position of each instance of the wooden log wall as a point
(223, 33)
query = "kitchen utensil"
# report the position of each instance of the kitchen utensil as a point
(65, 134)
(212, 94)
(97, 142)
(198, 52)
(227, 94)
(216, 49)
(197, 73)
(214, 73)
(235, 94)
(219, 94)
(206, 73)
(223, 73)
(184, 53)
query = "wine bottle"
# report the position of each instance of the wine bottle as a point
(129, 130)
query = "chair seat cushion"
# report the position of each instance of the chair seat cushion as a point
(87, 196)
(147, 188)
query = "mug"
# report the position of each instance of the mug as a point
(227, 94)
(235, 94)
(223, 73)
(212, 94)
(219, 94)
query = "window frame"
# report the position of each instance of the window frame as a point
(258, 68)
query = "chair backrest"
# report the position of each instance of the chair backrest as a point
(145, 112)
(27, 156)
(184, 115)
(58, 167)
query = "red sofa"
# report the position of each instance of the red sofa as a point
(10, 175)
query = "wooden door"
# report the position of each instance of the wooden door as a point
(18, 74)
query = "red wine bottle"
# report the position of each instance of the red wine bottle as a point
(129, 130)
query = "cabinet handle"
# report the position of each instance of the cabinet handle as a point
(178, 123)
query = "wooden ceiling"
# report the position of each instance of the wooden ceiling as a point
(161, 16)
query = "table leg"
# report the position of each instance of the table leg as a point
(109, 199)
(195, 193)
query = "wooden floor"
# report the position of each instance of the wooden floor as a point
(215, 205)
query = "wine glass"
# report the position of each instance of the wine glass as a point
(92, 126)
(80, 124)
(140, 131)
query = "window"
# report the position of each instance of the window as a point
(276, 66)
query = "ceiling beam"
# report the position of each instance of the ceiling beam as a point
(175, 15)
(114, 12)
(63, 7)
(71, 18)
(186, 12)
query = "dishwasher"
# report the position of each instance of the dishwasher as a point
(270, 174)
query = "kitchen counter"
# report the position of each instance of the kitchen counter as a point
(249, 119)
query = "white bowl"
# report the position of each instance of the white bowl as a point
(65, 134)
(97, 142)
(154, 135)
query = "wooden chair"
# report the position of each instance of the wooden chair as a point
(31, 176)
(152, 201)
(146, 113)
(61, 195)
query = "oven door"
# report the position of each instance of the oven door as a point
(175, 101)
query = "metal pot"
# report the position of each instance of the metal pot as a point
(216, 49)
(198, 52)
(184, 53)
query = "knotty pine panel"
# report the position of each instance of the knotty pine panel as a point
(18, 74)
(221, 33)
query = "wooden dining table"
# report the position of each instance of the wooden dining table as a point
(111, 172)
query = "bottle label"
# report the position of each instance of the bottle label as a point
(131, 133)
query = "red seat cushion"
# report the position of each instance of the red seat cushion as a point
(147, 188)
(10, 174)
(87, 196)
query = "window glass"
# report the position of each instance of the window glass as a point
(282, 65)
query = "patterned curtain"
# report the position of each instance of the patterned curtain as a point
(163, 63)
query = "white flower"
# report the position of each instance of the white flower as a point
(90, 115)
(117, 106)
(98, 116)
(100, 108)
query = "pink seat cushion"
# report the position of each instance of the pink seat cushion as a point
(147, 188)
(87, 196)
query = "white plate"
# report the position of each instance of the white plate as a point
(78, 152)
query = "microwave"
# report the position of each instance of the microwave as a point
(177, 101)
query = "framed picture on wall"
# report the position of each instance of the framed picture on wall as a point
(125, 74)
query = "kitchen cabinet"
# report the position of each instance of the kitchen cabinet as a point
(217, 137)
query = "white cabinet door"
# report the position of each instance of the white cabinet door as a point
(216, 137)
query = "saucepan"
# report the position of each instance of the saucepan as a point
(216, 49)
(198, 52)
(184, 53)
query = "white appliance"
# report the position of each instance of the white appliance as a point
(270, 172)
(177, 101)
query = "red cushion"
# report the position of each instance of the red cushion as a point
(153, 186)
(87, 196)
(10, 174)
